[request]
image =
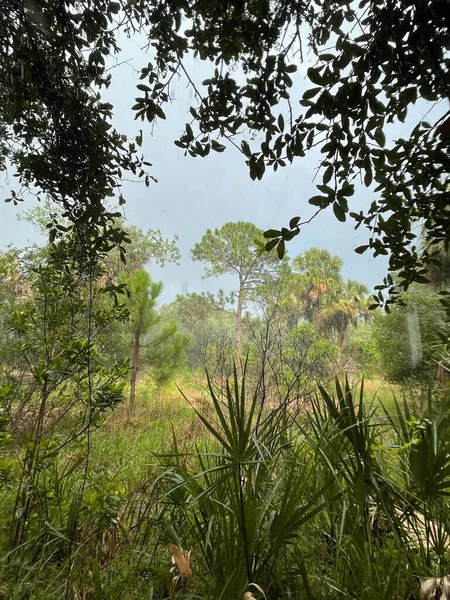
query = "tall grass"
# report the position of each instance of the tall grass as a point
(347, 499)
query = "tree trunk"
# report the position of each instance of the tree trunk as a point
(443, 376)
(134, 370)
(341, 337)
(239, 320)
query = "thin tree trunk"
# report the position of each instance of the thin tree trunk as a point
(341, 337)
(134, 370)
(239, 320)
(443, 376)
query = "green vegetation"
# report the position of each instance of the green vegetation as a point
(154, 347)
(370, 63)
(284, 440)
(230, 251)
(264, 477)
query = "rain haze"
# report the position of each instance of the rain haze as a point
(196, 194)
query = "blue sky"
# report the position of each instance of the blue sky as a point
(193, 195)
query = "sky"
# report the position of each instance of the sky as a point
(196, 194)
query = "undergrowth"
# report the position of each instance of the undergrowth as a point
(228, 499)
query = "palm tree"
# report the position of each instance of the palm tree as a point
(317, 281)
(350, 304)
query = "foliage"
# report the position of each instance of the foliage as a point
(423, 444)
(380, 532)
(363, 353)
(229, 251)
(371, 519)
(329, 301)
(193, 308)
(56, 387)
(154, 347)
(58, 382)
(319, 276)
(246, 504)
(140, 247)
(276, 491)
(12, 283)
(330, 502)
(349, 306)
(408, 338)
(210, 327)
(286, 362)
(120, 497)
(55, 129)
(212, 348)
(373, 62)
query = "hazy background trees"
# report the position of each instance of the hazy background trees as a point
(78, 346)
(155, 348)
(231, 251)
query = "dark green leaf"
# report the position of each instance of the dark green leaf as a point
(328, 173)
(271, 245)
(319, 201)
(246, 149)
(314, 76)
(217, 146)
(281, 249)
(311, 93)
(368, 177)
(339, 212)
(189, 132)
(327, 57)
(380, 138)
(271, 233)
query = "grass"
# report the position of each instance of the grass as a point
(379, 393)
(128, 444)
(117, 498)
(277, 505)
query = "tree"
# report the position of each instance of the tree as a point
(366, 76)
(229, 251)
(408, 339)
(191, 309)
(55, 129)
(345, 309)
(438, 271)
(139, 246)
(153, 344)
(329, 301)
(211, 327)
(286, 359)
(55, 381)
(363, 355)
(319, 277)
(374, 61)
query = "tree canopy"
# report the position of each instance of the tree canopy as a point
(319, 275)
(55, 129)
(372, 62)
(229, 250)
(152, 344)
